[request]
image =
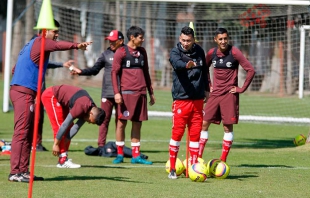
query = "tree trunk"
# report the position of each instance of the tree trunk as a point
(289, 83)
(17, 41)
(29, 22)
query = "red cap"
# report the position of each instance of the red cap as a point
(115, 35)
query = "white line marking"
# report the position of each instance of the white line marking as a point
(157, 166)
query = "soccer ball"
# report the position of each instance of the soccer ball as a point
(200, 160)
(179, 167)
(197, 172)
(300, 140)
(221, 170)
(211, 165)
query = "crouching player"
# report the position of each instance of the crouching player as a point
(63, 104)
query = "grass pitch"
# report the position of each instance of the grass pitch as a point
(263, 160)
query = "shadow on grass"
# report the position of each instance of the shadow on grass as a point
(100, 166)
(76, 150)
(240, 177)
(265, 143)
(263, 166)
(72, 178)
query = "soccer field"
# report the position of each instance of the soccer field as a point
(263, 161)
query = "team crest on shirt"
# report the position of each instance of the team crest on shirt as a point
(214, 63)
(31, 108)
(228, 64)
(221, 61)
(179, 111)
(128, 63)
(126, 113)
(103, 99)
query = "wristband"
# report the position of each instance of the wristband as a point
(71, 68)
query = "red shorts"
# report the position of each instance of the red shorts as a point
(56, 113)
(223, 108)
(134, 107)
(187, 113)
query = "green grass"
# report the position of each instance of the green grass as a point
(250, 104)
(263, 161)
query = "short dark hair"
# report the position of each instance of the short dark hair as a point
(134, 31)
(221, 31)
(100, 117)
(57, 24)
(188, 31)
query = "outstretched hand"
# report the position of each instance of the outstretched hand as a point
(68, 63)
(83, 46)
(75, 70)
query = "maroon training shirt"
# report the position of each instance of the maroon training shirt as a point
(136, 80)
(225, 79)
(81, 106)
(50, 46)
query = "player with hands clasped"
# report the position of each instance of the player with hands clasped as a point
(223, 103)
(64, 104)
(190, 85)
(131, 80)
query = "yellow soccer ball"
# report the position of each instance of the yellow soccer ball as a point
(300, 140)
(200, 160)
(221, 170)
(197, 172)
(211, 165)
(179, 167)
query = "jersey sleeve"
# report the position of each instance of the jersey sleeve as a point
(247, 66)
(100, 63)
(176, 61)
(116, 68)
(146, 73)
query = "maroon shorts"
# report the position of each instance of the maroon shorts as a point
(223, 108)
(134, 107)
